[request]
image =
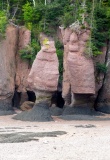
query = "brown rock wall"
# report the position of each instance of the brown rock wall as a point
(8, 48)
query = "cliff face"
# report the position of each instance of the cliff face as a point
(13, 70)
(78, 75)
(103, 100)
(8, 48)
(22, 66)
(82, 85)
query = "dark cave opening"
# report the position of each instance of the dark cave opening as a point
(16, 99)
(19, 98)
(31, 96)
(57, 99)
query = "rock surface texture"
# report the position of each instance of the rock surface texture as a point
(8, 50)
(78, 76)
(81, 68)
(13, 70)
(44, 74)
(22, 66)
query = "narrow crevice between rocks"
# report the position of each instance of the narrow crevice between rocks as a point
(16, 96)
(16, 99)
(100, 90)
(57, 99)
(57, 103)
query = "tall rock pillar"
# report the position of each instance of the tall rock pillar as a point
(78, 76)
(43, 80)
(8, 48)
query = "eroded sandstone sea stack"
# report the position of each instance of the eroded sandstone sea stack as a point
(78, 76)
(43, 80)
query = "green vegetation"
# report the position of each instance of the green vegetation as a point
(29, 52)
(47, 15)
(59, 51)
(3, 22)
(101, 68)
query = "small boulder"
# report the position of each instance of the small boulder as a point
(27, 105)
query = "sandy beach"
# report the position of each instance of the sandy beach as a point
(57, 140)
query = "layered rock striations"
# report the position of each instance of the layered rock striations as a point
(43, 80)
(78, 76)
(44, 74)
(81, 68)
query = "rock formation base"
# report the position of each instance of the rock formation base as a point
(84, 109)
(40, 113)
(56, 111)
(103, 107)
(6, 107)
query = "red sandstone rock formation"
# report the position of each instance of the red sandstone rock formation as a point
(22, 66)
(43, 80)
(44, 73)
(8, 50)
(81, 67)
(78, 68)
